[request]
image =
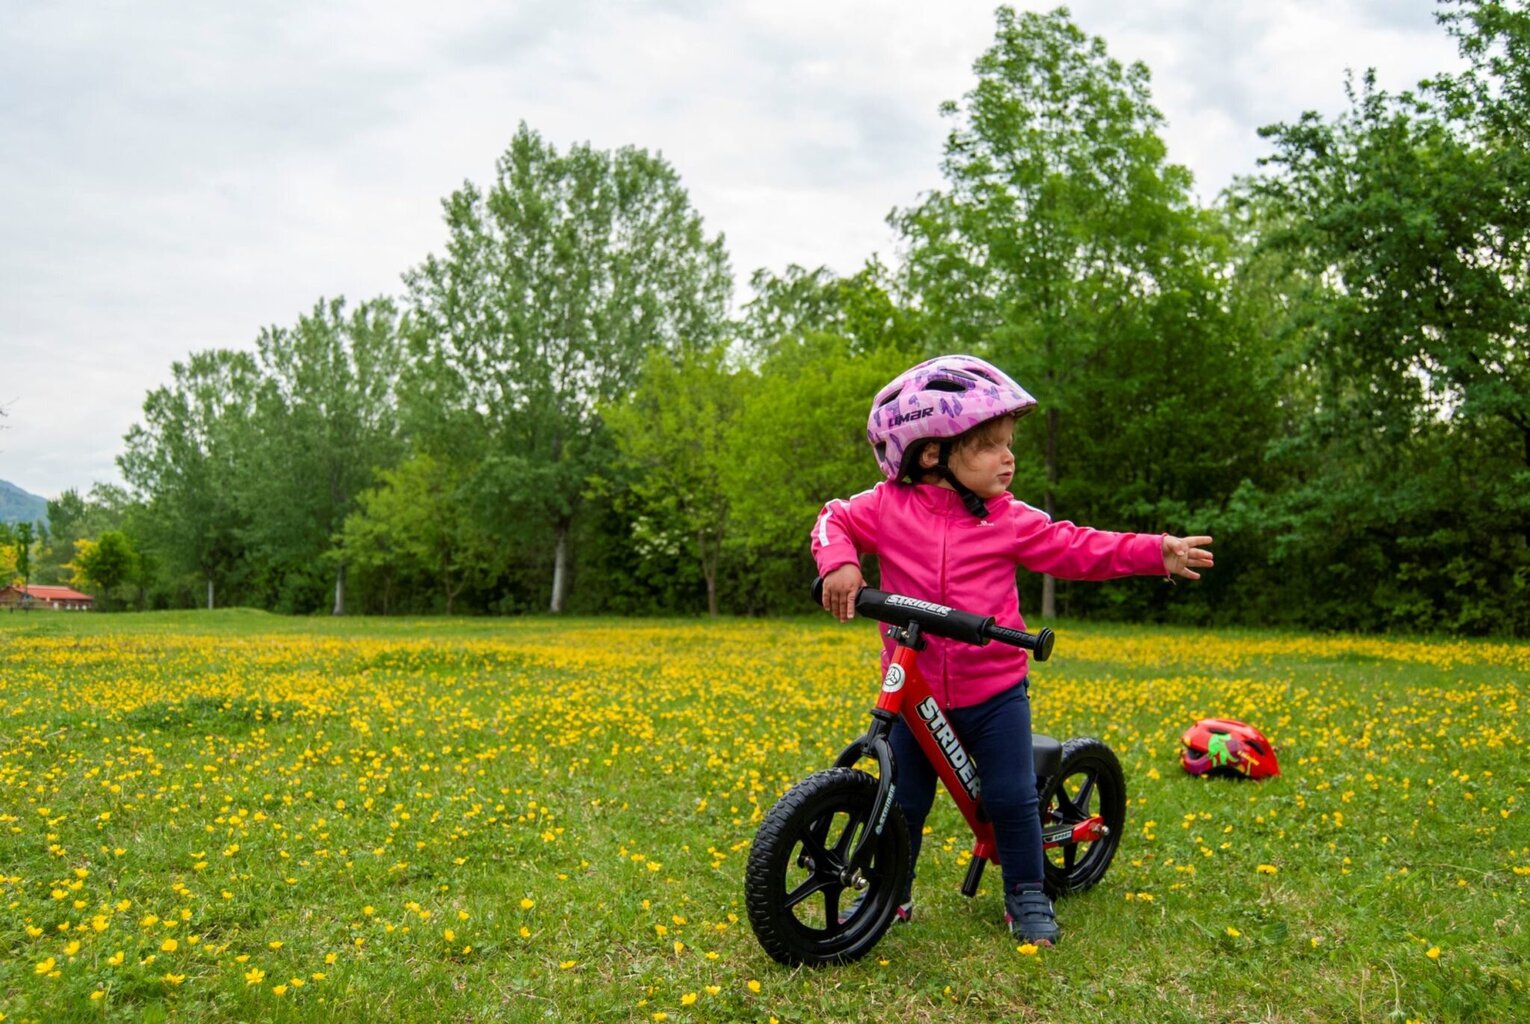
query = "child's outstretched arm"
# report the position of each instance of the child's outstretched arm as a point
(1183, 555)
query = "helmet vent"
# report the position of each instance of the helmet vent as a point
(890, 399)
(945, 385)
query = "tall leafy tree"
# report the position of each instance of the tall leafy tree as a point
(183, 462)
(1408, 209)
(556, 282)
(1062, 228)
(674, 432)
(325, 419)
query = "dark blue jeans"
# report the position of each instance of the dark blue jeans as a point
(997, 735)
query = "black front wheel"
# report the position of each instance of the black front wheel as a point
(805, 905)
(1088, 783)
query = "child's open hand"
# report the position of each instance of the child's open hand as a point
(1183, 555)
(839, 590)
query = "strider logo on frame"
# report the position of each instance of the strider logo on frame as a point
(899, 601)
(893, 681)
(950, 746)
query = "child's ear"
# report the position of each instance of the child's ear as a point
(929, 457)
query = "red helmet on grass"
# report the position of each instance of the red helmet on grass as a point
(1227, 746)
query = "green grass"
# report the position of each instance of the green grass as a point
(323, 800)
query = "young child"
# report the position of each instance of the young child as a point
(946, 529)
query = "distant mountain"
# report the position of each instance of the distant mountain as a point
(17, 506)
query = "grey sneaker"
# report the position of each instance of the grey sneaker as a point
(1029, 914)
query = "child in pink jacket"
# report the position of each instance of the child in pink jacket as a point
(946, 529)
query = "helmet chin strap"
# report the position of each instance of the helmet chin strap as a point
(976, 505)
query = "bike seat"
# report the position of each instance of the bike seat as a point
(1047, 754)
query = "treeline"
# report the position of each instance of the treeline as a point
(1326, 369)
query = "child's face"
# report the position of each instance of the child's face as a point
(988, 466)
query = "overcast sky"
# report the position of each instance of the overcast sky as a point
(174, 176)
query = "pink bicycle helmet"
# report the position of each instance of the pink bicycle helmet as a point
(939, 398)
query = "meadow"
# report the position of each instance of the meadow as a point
(236, 816)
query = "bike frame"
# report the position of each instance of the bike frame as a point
(905, 694)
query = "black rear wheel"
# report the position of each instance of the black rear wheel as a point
(796, 882)
(1088, 783)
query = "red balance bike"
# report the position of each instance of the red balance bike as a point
(831, 859)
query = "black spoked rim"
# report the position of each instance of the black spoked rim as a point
(1089, 783)
(804, 903)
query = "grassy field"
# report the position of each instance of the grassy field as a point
(234, 816)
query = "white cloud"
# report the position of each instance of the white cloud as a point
(178, 176)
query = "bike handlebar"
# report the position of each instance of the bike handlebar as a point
(970, 628)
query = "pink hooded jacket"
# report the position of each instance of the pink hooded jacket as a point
(931, 547)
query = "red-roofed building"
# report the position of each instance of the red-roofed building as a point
(63, 599)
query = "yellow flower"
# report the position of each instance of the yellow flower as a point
(449, 935)
(1026, 949)
(1233, 932)
(527, 903)
(97, 994)
(688, 999)
(254, 976)
(72, 948)
(116, 958)
(1267, 869)
(169, 946)
(1434, 953)
(279, 990)
(275, 943)
(173, 979)
(567, 964)
(44, 966)
(752, 985)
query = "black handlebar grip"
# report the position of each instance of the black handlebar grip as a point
(900, 610)
(1039, 644)
(941, 620)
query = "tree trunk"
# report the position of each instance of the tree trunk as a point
(209, 593)
(560, 566)
(1049, 506)
(709, 558)
(340, 590)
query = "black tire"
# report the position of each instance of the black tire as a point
(1089, 782)
(793, 886)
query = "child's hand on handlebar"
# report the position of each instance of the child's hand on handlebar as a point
(839, 590)
(1183, 555)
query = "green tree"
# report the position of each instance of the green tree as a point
(415, 525)
(325, 419)
(555, 284)
(864, 309)
(673, 430)
(1064, 235)
(105, 563)
(183, 462)
(1409, 499)
(25, 536)
(798, 440)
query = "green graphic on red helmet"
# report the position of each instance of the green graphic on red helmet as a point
(1227, 746)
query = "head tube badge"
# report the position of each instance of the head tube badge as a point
(893, 680)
